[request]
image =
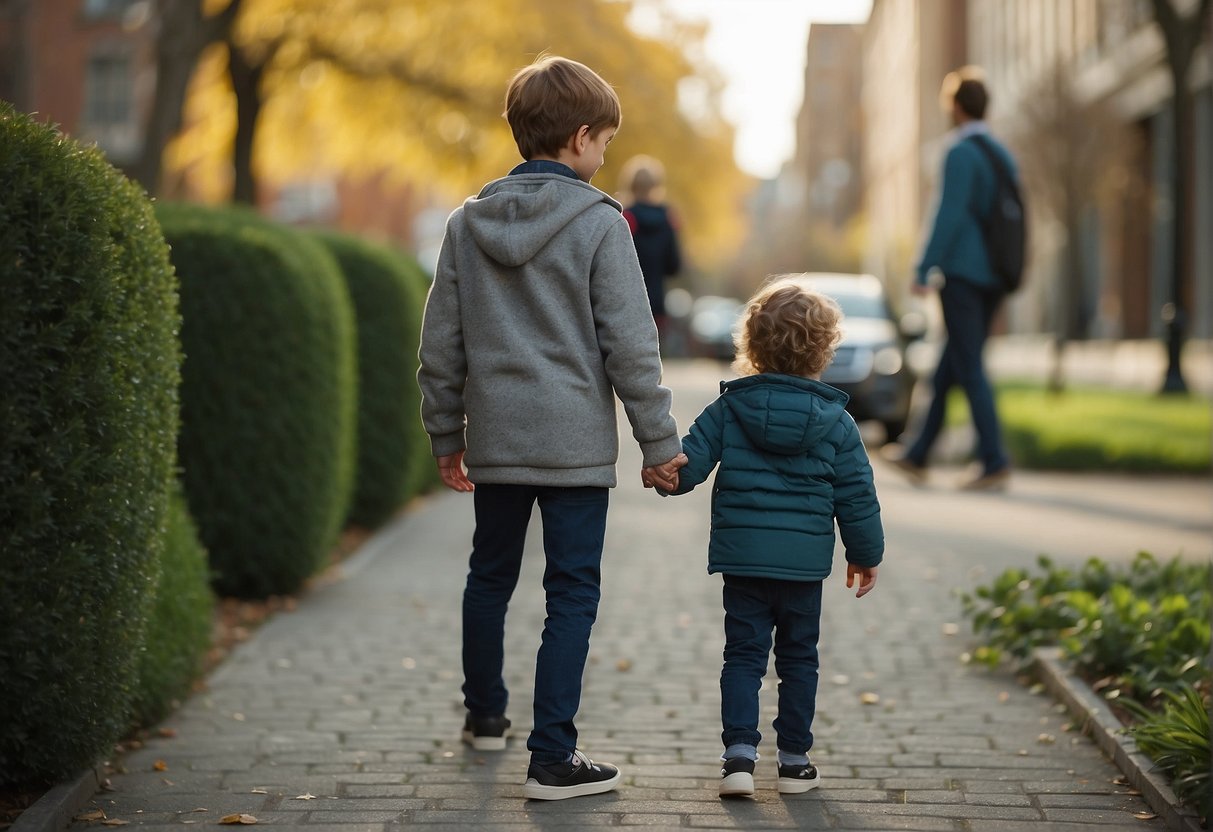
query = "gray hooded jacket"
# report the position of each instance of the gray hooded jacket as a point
(537, 318)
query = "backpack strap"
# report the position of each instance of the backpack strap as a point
(1001, 172)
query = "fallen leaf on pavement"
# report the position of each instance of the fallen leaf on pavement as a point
(92, 814)
(623, 665)
(168, 732)
(869, 698)
(308, 796)
(246, 820)
(160, 765)
(1046, 739)
(259, 791)
(951, 629)
(114, 822)
(1144, 815)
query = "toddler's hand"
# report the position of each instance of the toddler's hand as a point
(867, 578)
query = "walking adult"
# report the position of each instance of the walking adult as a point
(955, 260)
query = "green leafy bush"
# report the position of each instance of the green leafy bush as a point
(89, 364)
(1139, 634)
(1177, 739)
(388, 292)
(1144, 625)
(267, 397)
(179, 624)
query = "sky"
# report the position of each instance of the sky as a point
(759, 48)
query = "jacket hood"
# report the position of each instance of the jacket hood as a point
(514, 217)
(784, 414)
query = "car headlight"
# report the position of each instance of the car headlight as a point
(887, 361)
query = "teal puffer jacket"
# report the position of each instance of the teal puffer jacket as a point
(791, 463)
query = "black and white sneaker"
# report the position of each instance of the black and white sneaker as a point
(798, 779)
(486, 733)
(580, 777)
(737, 777)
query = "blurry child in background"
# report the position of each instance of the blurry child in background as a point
(654, 229)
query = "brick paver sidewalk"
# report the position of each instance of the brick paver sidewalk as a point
(345, 714)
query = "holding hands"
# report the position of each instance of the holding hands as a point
(665, 475)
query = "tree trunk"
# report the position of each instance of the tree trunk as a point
(246, 82)
(183, 32)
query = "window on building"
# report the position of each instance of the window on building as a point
(108, 91)
(106, 9)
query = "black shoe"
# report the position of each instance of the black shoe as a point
(797, 779)
(580, 777)
(486, 733)
(737, 777)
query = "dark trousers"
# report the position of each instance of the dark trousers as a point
(967, 313)
(574, 524)
(753, 608)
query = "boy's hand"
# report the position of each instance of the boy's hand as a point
(867, 578)
(665, 475)
(450, 468)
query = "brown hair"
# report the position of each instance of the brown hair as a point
(787, 328)
(547, 102)
(965, 88)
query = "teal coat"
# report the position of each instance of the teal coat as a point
(956, 245)
(791, 463)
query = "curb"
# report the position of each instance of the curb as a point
(54, 811)
(1099, 723)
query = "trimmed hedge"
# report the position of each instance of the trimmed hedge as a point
(89, 365)
(179, 624)
(388, 292)
(267, 397)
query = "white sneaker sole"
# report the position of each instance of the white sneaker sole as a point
(534, 790)
(787, 785)
(739, 783)
(486, 743)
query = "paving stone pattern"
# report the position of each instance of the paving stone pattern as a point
(345, 714)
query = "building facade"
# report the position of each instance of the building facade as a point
(907, 47)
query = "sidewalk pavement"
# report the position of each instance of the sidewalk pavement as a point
(345, 714)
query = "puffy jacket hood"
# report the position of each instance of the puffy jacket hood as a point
(784, 414)
(512, 218)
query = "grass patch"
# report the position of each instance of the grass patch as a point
(1099, 428)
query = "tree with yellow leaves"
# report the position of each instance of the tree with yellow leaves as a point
(413, 90)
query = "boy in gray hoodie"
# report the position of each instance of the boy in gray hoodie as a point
(537, 319)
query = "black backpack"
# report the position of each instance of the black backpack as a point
(1005, 226)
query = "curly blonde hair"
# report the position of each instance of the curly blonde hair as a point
(787, 328)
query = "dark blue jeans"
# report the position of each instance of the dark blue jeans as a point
(574, 524)
(753, 607)
(967, 313)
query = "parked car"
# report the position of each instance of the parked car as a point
(870, 364)
(712, 321)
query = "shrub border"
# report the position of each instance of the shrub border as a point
(1097, 721)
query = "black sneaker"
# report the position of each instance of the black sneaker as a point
(797, 779)
(486, 733)
(580, 777)
(737, 777)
